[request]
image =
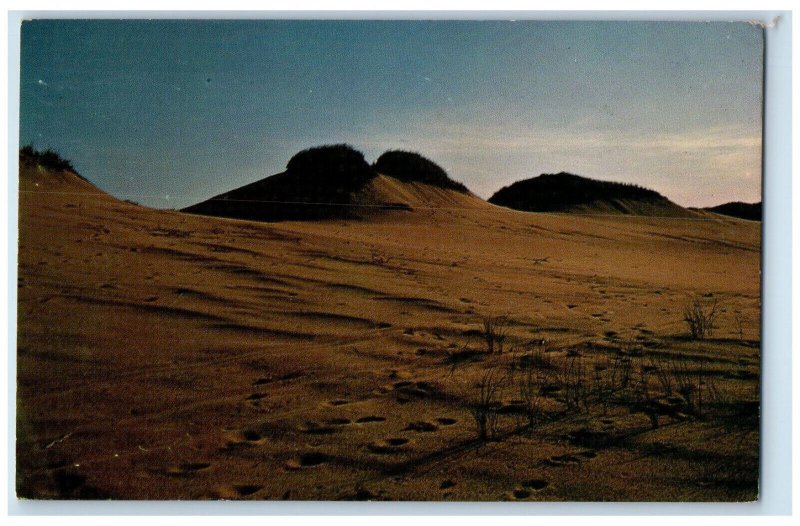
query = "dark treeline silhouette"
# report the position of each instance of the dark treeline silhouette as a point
(563, 191)
(751, 211)
(410, 167)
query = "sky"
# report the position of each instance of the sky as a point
(169, 113)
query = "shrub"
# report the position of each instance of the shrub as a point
(328, 173)
(573, 379)
(337, 164)
(485, 408)
(530, 387)
(700, 318)
(410, 166)
(495, 330)
(698, 387)
(27, 152)
(48, 158)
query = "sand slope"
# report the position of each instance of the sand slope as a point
(164, 355)
(275, 199)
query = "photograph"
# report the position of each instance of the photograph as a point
(411, 260)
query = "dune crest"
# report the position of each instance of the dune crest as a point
(750, 211)
(565, 192)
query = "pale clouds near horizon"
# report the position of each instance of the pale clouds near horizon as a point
(686, 167)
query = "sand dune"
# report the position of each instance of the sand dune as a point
(335, 182)
(565, 192)
(749, 211)
(165, 355)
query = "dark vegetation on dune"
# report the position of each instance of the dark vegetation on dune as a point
(324, 182)
(412, 167)
(48, 159)
(338, 168)
(564, 191)
(751, 211)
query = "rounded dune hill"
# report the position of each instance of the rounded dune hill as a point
(336, 182)
(568, 193)
(749, 211)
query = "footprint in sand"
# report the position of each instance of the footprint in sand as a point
(571, 459)
(422, 427)
(244, 438)
(370, 419)
(315, 428)
(444, 421)
(255, 400)
(521, 493)
(447, 484)
(528, 488)
(395, 374)
(308, 460)
(337, 402)
(237, 491)
(327, 427)
(512, 407)
(401, 384)
(563, 460)
(187, 469)
(418, 389)
(388, 445)
(536, 484)
(590, 438)
(246, 489)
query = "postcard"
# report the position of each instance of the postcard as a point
(398, 260)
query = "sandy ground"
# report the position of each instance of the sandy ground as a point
(168, 356)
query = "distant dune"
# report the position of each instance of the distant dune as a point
(751, 211)
(336, 182)
(564, 192)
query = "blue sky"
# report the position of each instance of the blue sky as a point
(168, 113)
